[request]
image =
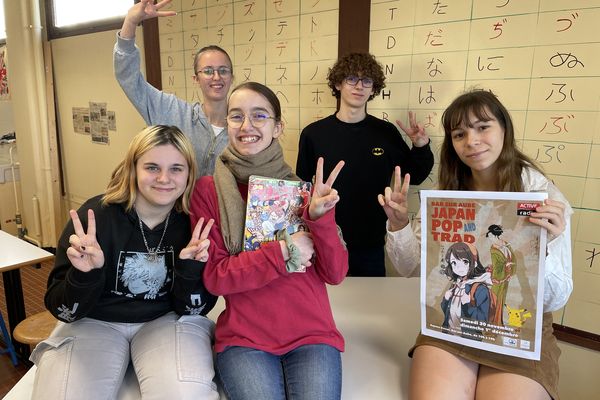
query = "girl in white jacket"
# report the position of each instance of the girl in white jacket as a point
(479, 153)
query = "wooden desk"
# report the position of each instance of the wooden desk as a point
(16, 253)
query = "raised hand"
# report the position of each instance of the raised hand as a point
(324, 196)
(551, 216)
(84, 253)
(395, 201)
(415, 132)
(197, 248)
(141, 11)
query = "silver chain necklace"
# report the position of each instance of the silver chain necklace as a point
(153, 252)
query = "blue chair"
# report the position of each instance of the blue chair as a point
(9, 344)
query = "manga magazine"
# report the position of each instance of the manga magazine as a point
(273, 204)
(482, 269)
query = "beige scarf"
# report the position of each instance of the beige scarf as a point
(232, 167)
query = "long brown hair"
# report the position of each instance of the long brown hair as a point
(122, 188)
(483, 104)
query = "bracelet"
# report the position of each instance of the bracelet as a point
(293, 263)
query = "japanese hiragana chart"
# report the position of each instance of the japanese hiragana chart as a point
(287, 45)
(542, 59)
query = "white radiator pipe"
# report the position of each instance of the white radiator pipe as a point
(14, 179)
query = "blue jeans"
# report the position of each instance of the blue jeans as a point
(309, 372)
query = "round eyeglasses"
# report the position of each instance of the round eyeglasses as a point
(208, 72)
(257, 119)
(353, 81)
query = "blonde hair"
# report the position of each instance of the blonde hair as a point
(122, 188)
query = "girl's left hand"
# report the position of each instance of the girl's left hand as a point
(324, 196)
(197, 248)
(551, 216)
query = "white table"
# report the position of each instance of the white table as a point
(16, 253)
(379, 318)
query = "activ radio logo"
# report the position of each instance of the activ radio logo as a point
(526, 208)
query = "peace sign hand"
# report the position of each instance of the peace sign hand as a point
(84, 253)
(324, 196)
(416, 132)
(197, 248)
(395, 202)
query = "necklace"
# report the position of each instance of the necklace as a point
(153, 252)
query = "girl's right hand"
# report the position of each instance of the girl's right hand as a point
(85, 253)
(395, 201)
(146, 9)
(142, 11)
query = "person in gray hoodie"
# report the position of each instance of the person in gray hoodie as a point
(203, 123)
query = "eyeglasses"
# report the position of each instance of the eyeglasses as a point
(208, 72)
(257, 119)
(353, 81)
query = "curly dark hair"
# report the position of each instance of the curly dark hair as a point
(359, 64)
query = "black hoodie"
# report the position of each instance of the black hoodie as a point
(128, 288)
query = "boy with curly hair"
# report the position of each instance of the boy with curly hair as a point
(371, 148)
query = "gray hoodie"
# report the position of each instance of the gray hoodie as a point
(158, 108)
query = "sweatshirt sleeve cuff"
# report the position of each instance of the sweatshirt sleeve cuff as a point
(79, 278)
(125, 45)
(189, 269)
(422, 148)
(328, 217)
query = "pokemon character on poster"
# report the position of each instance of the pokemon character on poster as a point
(482, 268)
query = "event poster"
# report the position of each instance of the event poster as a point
(4, 92)
(482, 268)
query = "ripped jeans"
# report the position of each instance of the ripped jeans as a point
(87, 359)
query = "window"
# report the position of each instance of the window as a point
(77, 17)
(2, 24)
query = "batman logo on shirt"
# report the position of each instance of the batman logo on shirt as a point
(377, 151)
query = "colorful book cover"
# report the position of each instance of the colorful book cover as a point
(273, 204)
(482, 269)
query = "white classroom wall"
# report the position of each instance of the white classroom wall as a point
(83, 72)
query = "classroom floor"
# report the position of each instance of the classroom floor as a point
(34, 285)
